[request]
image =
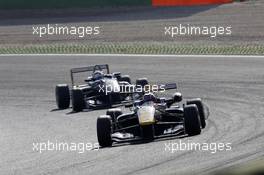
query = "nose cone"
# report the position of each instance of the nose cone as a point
(146, 115)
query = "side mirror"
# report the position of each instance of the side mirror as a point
(177, 97)
(170, 86)
(117, 75)
(88, 79)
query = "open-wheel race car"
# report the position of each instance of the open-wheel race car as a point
(152, 117)
(101, 89)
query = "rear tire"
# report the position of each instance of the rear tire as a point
(78, 102)
(199, 104)
(125, 78)
(62, 94)
(192, 124)
(104, 131)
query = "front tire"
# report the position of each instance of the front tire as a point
(192, 124)
(114, 113)
(104, 131)
(199, 104)
(142, 82)
(78, 102)
(62, 94)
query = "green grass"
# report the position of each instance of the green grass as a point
(134, 48)
(43, 4)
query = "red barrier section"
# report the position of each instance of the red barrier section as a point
(187, 2)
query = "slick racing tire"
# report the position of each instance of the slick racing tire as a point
(114, 113)
(125, 78)
(199, 104)
(192, 124)
(62, 96)
(78, 102)
(147, 132)
(142, 82)
(104, 131)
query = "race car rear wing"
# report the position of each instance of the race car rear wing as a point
(89, 69)
(169, 86)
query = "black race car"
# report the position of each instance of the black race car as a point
(150, 118)
(101, 89)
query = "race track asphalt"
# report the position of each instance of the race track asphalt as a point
(232, 87)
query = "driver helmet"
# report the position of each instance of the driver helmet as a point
(97, 75)
(149, 97)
